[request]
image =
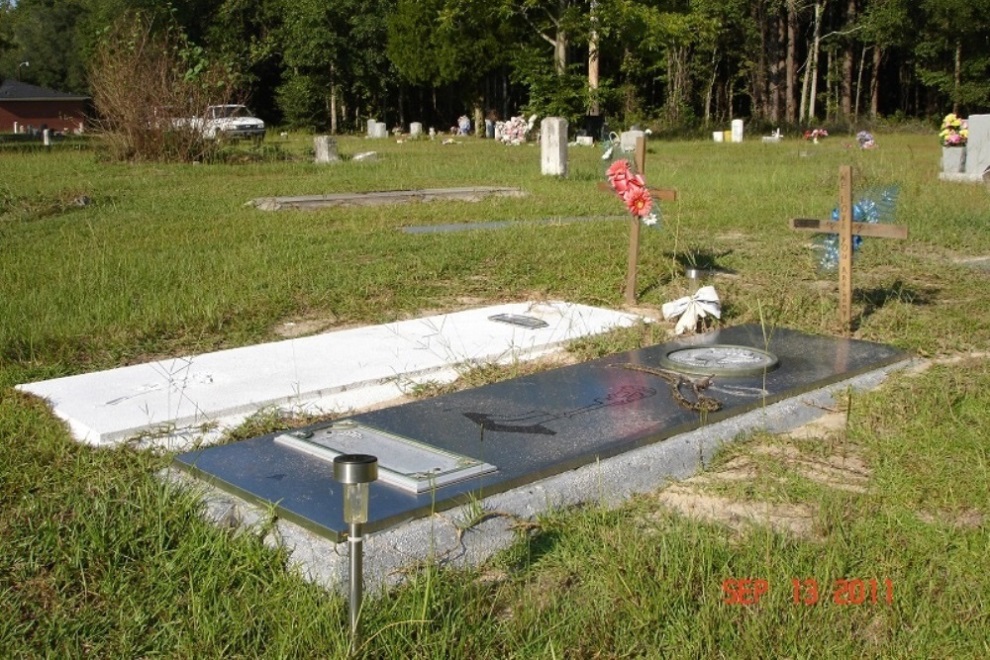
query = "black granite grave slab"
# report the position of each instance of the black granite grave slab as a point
(532, 427)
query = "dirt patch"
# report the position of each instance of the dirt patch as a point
(304, 327)
(795, 519)
(965, 519)
(827, 424)
(703, 497)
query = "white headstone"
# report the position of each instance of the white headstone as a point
(553, 146)
(415, 129)
(15, 128)
(46, 137)
(433, 132)
(585, 141)
(718, 136)
(326, 149)
(365, 155)
(372, 123)
(379, 130)
(627, 141)
(737, 130)
(978, 146)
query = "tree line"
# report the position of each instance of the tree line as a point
(332, 64)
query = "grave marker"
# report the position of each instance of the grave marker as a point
(846, 228)
(658, 195)
(325, 148)
(976, 153)
(553, 146)
(516, 432)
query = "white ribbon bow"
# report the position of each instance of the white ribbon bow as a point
(691, 309)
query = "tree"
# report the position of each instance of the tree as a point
(953, 51)
(149, 83)
(43, 32)
(434, 43)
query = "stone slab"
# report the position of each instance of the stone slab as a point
(311, 202)
(504, 224)
(331, 372)
(533, 427)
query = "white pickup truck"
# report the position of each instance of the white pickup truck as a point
(226, 121)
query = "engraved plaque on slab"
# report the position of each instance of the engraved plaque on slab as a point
(402, 462)
(720, 360)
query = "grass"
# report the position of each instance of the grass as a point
(99, 557)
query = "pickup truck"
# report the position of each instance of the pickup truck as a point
(226, 121)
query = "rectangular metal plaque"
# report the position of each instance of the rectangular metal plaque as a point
(519, 319)
(402, 462)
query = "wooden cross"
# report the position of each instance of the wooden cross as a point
(846, 228)
(658, 195)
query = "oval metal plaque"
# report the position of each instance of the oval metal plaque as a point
(720, 360)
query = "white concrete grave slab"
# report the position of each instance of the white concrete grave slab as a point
(196, 398)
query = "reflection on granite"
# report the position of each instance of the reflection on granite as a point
(533, 426)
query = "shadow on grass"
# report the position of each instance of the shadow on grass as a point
(700, 258)
(877, 297)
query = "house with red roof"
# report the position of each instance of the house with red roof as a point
(40, 108)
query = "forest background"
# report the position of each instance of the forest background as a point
(675, 65)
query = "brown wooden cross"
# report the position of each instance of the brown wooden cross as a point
(658, 195)
(846, 229)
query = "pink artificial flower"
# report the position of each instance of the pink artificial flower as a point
(637, 198)
(618, 175)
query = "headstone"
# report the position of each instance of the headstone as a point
(627, 141)
(585, 141)
(366, 155)
(415, 129)
(540, 425)
(433, 132)
(16, 127)
(737, 130)
(379, 130)
(326, 149)
(46, 137)
(718, 136)
(978, 147)
(773, 138)
(553, 146)
(372, 123)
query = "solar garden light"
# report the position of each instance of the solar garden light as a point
(356, 472)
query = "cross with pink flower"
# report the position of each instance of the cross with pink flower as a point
(642, 203)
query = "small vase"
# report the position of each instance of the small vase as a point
(953, 159)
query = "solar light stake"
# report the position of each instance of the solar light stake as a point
(355, 471)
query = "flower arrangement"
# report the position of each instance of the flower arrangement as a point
(955, 131)
(515, 130)
(865, 140)
(816, 133)
(876, 206)
(631, 188)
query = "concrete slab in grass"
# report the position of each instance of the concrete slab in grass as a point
(196, 397)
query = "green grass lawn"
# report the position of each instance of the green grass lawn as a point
(100, 558)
